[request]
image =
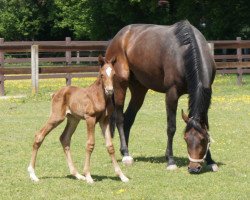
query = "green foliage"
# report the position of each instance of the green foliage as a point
(28, 20)
(229, 127)
(222, 19)
(101, 19)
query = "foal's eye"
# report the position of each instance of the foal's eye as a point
(101, 75)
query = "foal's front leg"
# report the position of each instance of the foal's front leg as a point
(110, 147)
(89, 147)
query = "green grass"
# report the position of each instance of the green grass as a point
(229, 126)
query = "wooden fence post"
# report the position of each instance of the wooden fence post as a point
(2, 92)
(68, 61)
(239, 68)
(78, 57)
(34, 68)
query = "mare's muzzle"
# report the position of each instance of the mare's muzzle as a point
(195, 170)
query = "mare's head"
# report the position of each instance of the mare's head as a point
(106, 74)
(198, 141)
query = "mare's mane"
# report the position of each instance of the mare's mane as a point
(199, 96)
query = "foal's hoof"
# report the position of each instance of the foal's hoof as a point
(32, 174)
(171, 167)
(127, 160)
(213, 167)
(124, 179)
(89, 180)
(80, 177)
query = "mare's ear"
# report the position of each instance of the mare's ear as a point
(184, 116)
(101, 60)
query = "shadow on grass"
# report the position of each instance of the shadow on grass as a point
(180, 161)
(96, 178)
(57, 177)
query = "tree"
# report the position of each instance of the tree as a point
(217, 20)
(102, 19)
(28, 19)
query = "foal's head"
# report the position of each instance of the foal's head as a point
(198, 141)
(106, 74)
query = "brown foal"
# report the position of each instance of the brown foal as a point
(93, 104)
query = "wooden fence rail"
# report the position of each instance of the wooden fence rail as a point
(67, 59)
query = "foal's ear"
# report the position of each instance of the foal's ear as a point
(101, 60)
(113, 60)
(184, 116)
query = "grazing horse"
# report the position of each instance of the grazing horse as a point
(169, 59)
(93, 104)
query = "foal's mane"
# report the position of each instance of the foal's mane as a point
(199, 96)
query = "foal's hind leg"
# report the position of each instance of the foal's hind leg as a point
(110, 147)
(89, 147)
(65, 140)
(171, 106)
(53, 122)
(138, 93)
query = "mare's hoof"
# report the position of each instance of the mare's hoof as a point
(213, 167)
(171, 167)
(127, 160)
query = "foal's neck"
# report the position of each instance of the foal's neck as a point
(98, 89)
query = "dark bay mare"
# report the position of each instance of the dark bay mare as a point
(174, 60)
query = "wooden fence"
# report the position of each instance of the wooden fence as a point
(232, 57)
(72, 59)
(68, 59)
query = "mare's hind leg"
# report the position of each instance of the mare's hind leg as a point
(138, 93)
(65, 140)
(210, 162)
(110, 147)
(171, 106)
(53, 122)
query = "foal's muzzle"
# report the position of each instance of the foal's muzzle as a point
(109, 91)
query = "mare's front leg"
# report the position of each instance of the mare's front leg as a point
(119, 97)
(110, 147)
(171, 106)
(210, 162)
(65, 140)
(138, 93)
(89, 147)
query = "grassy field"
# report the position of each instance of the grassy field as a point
(149, 179)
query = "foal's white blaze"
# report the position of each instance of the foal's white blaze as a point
(108, 71)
